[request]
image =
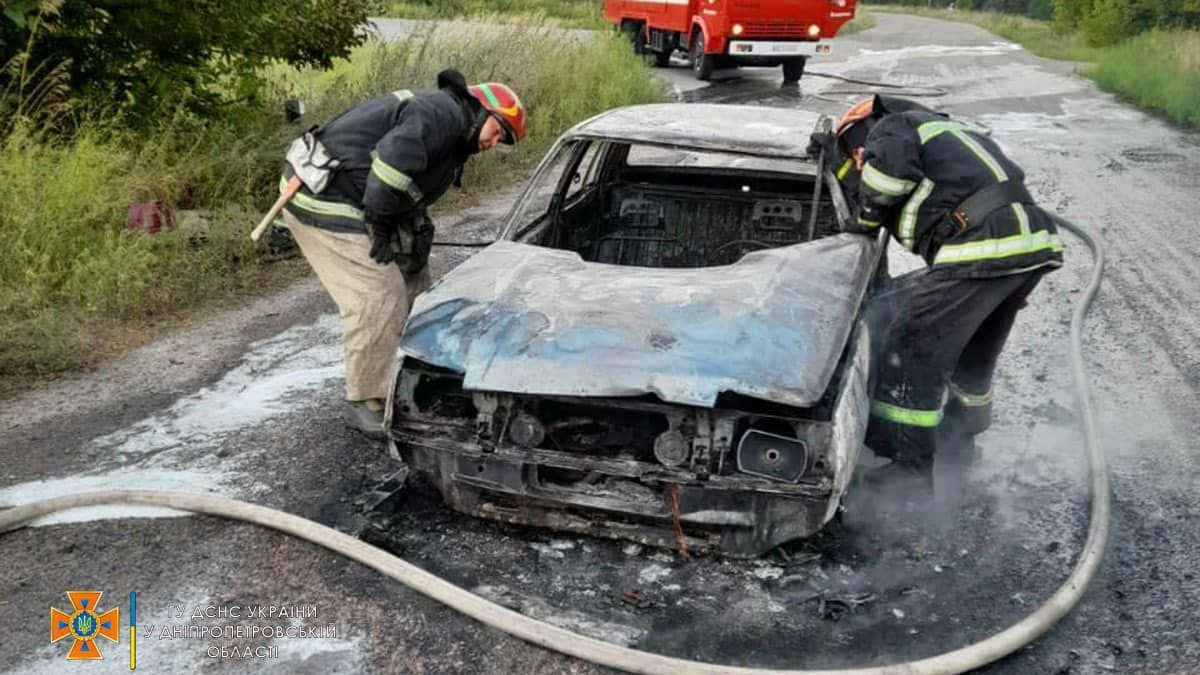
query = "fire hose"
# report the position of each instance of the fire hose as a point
(542, 634)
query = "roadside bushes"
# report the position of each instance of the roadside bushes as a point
(1106, 22)
(1159, 70)
(1100, 22)
(73, 275)
(69, 264)
(579, 13)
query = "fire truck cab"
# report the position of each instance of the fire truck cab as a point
(730, 33)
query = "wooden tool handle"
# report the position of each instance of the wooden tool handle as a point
(289, 191)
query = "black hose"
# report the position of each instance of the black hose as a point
(465, 244)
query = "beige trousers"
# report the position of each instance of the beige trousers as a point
(373, 301)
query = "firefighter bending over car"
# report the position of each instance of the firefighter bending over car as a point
(367, 232)
(951, 196)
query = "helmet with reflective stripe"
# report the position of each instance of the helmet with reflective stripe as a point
(851, 133)
(504, 105)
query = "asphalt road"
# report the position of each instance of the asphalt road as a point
(245, 405)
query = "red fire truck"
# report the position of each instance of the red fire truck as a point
(730, 33)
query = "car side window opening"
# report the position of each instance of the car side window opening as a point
(585, 175)
(529, 214)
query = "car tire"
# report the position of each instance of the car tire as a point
(794, 70)
(702, 64)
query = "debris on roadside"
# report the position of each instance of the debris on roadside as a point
(768, 573)
(653, 573)
(796, 559)
(546, 551)
(834, 607)
(569, 619)
(637, 599)
(916, 590)
(385, 494)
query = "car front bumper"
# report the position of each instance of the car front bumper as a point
(705, 505)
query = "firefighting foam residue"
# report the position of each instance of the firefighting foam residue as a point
(1020, 125)
(927, 51)
(274, 378)
(132, 478)
(194, 445)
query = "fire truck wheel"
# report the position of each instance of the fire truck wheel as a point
(636, 37)
(794, 70)
(702, 64)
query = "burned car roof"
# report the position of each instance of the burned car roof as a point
(752, 130)
(521, 318)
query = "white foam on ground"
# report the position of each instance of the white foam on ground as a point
(180, 447)
(926, 51)
(272, 379)
(128, 478)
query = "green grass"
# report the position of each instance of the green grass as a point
(863, 20)
(73, 275)
(573, 13)
(1158, 70)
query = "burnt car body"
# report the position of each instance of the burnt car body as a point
(666, 344)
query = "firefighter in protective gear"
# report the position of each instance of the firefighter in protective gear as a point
(368, 235)
(948, 194)
(834, 143)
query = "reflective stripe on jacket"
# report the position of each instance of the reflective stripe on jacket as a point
(918, 167)
(399, 153)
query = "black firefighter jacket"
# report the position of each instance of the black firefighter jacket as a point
(919, 167)
(398, 154)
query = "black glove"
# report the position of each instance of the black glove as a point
(823, 140)
(384, 240)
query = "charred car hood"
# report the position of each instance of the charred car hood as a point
(525, 319)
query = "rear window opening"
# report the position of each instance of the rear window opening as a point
(651, 206)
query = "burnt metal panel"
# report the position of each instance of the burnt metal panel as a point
(743, 129)
(526, 319)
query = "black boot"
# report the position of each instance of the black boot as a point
(956, 446)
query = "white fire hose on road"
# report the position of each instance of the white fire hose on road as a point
(632, 660)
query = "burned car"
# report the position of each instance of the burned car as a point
(665, 345)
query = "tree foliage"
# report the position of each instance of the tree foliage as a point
(145, 57)
(1103, 22)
